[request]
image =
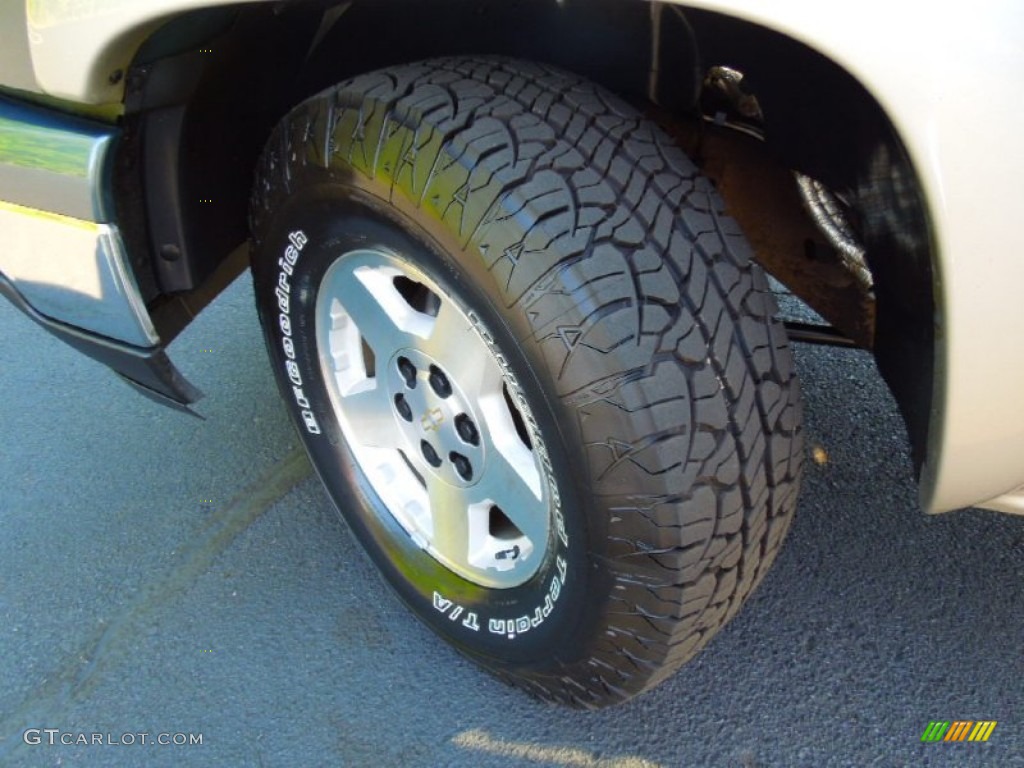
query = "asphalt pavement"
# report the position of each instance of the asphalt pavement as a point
(179, 578)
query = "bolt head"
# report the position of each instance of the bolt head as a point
(408, 372)
(439, 382)
(403, 407)
(430, 454)
(462, 465)
(467, 429)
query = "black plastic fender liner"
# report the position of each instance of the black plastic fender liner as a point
(148, 369)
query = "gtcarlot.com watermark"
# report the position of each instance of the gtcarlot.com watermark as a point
(55, 736)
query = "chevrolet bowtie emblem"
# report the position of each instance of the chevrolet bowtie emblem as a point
(432, 420)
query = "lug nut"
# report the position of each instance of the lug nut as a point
(462, 465)
(402, 406)
(467, 429)
(430, 454)
(408, 371)
(439, 382)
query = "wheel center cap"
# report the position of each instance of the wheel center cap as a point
(439, 424)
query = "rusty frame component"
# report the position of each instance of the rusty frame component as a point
(763, 197)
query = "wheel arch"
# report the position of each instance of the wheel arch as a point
(186, 101)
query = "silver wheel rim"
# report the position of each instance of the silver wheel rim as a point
(433, 418)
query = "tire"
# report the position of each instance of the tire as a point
(505, 242)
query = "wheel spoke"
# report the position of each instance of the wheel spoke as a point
(369, 298)
(513, 484)
(449, 513)
(462, 353)
(369, 413)
(449, 332)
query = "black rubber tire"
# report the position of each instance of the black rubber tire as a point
(629, 307)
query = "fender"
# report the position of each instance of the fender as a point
(942, 83)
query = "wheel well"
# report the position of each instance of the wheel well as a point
(206, 89)
(818, 119)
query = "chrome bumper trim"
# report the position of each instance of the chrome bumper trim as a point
(73, 271)
(148, 369)
(54, 162)
(59, 241)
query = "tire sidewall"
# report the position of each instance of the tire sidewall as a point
(550, 619)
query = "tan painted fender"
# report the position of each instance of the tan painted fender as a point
(77, 47)
(948, 77)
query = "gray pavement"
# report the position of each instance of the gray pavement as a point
(163, 575)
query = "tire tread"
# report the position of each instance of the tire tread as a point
(642, 292)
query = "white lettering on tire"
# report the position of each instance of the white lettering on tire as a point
(296, 242)
(510, 628)
(453, 611)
